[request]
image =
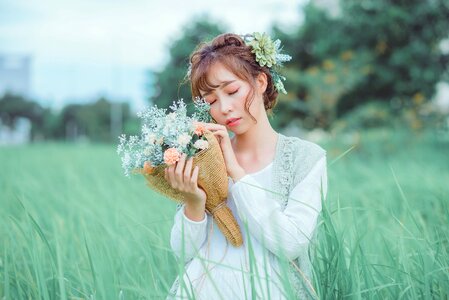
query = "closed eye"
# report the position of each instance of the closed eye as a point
(232, 93)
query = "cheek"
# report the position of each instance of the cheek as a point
(244, 99)
(215, 113)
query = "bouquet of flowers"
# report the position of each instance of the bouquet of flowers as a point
(164, 137)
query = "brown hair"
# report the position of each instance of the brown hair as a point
(230, 50)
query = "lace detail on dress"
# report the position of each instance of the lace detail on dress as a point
(285, 176)
(294, 160)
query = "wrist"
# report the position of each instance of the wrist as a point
(238, 174)
(195, 211)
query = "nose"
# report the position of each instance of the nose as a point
(225, 105)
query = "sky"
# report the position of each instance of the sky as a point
(82, 50)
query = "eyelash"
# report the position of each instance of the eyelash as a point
(229, 94)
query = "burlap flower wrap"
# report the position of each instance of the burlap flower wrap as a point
(213, 179)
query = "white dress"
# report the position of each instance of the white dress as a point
(217, 270)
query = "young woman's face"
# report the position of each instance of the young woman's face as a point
(227, 102)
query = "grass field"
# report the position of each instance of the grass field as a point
(73, 227)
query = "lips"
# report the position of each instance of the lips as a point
(231, 120)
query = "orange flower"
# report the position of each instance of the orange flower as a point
(147, 168)
(199, 129)
(171, 155)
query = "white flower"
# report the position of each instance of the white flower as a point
(171, 116)
(184, 139)
(151, 138)
(147, 151)
(201, 144)
(160, 140)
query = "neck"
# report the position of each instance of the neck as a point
(257, 140)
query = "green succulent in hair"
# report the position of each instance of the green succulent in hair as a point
(264, 49)
(268, 53)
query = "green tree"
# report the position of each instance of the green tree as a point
(377, 50)
(92, 120)
(166, 85)
(13, 107)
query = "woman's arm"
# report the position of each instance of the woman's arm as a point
(282, 232)
(187, 236)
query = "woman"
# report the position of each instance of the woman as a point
(275, 182)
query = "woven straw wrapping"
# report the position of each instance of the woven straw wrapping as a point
(213, 179)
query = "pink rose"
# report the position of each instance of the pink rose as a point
(171, 155)
(199, 129)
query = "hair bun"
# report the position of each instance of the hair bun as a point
(227, 39)
(233, 40)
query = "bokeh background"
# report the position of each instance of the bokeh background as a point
(368, 82)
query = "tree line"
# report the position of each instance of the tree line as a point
(98, 121)
(374, 62)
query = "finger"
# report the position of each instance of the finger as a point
(219, 133)
(194, 179)
(179, 171)
(214, 127)
(171, 176)
(188, 170)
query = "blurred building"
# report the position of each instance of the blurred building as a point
(15, 78)
(15, 74)
(441, 98)
(19, 134)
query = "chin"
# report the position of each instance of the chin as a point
(240, 130)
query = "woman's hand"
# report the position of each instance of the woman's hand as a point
(232, 165)
(181, 178)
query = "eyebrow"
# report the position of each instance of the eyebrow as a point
(224, 84)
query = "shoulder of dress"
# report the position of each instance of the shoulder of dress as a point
(294, 160)
(304, 146)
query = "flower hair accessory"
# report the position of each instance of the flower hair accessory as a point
(268, 53)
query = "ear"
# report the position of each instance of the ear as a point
(262, 82)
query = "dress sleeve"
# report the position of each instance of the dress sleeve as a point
(282, 232)
(187, 236)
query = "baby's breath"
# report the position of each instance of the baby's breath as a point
(160, 131)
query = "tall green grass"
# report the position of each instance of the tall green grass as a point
(385, 229)
(73, 227)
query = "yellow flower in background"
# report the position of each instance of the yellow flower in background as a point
(418, 98)
(312, 70)
(381, 47)
(328, 65)
(330, 78)
(366, 69)
(347, 55)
